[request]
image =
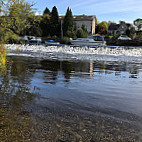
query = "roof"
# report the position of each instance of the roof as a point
(81, 17)
(113, 27)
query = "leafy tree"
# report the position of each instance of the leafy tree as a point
(138, 24)
(82, 32)
(54, 24)
(35, 28)
(111, 22)
(2, 55)
(46, 11)
(130, 31)
(68, 24)
(84, 28)
(15, 20)
(45, 25)
(96, 21)
(103, 27)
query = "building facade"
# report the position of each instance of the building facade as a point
(88, 21)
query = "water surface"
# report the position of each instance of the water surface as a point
(70, 100)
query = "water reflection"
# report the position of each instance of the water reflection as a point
(70, 68)
(72, 100)
(15, 121)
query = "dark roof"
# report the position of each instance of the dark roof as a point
(113, 27)
(83, 17)
(80, 17)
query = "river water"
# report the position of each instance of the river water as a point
(71, 98)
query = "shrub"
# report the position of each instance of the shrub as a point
(71, 34)
(65, 40)
(81, 33)
(115, 37)
(2, 55)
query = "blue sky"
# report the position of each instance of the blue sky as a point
(114, 10)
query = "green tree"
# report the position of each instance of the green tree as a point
(35, 28)
(82, 32)
(68, 24)
(2, 55)
(54, 22)
(103, 27)
(131, 31)
(138, 24)
(96, 21)
(45, 25)
(46, 11)
(14, 22)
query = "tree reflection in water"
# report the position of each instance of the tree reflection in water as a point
(15, 121)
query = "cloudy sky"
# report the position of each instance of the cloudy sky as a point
(113, 10)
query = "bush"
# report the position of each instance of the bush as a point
(115, 37)
(138, 37)
(81, 33)
(2, 55)
(71, 34)
(65, 40)
(54, 37)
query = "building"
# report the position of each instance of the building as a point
(121, 28)
(88, 21)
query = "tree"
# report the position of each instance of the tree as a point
(111, 22)
(45, 25)
(14, 22)
(68, 24)
(54, 22)
(46, 11)
(96, 21)
(131, 31)
(138, 24)
(103, 27)
(35, 28)
(82, 32)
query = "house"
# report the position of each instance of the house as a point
(88, 21)
(121, 28)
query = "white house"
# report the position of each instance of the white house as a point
(88, 21)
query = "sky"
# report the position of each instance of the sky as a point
(105, 10)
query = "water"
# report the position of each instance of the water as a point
(71, 98)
